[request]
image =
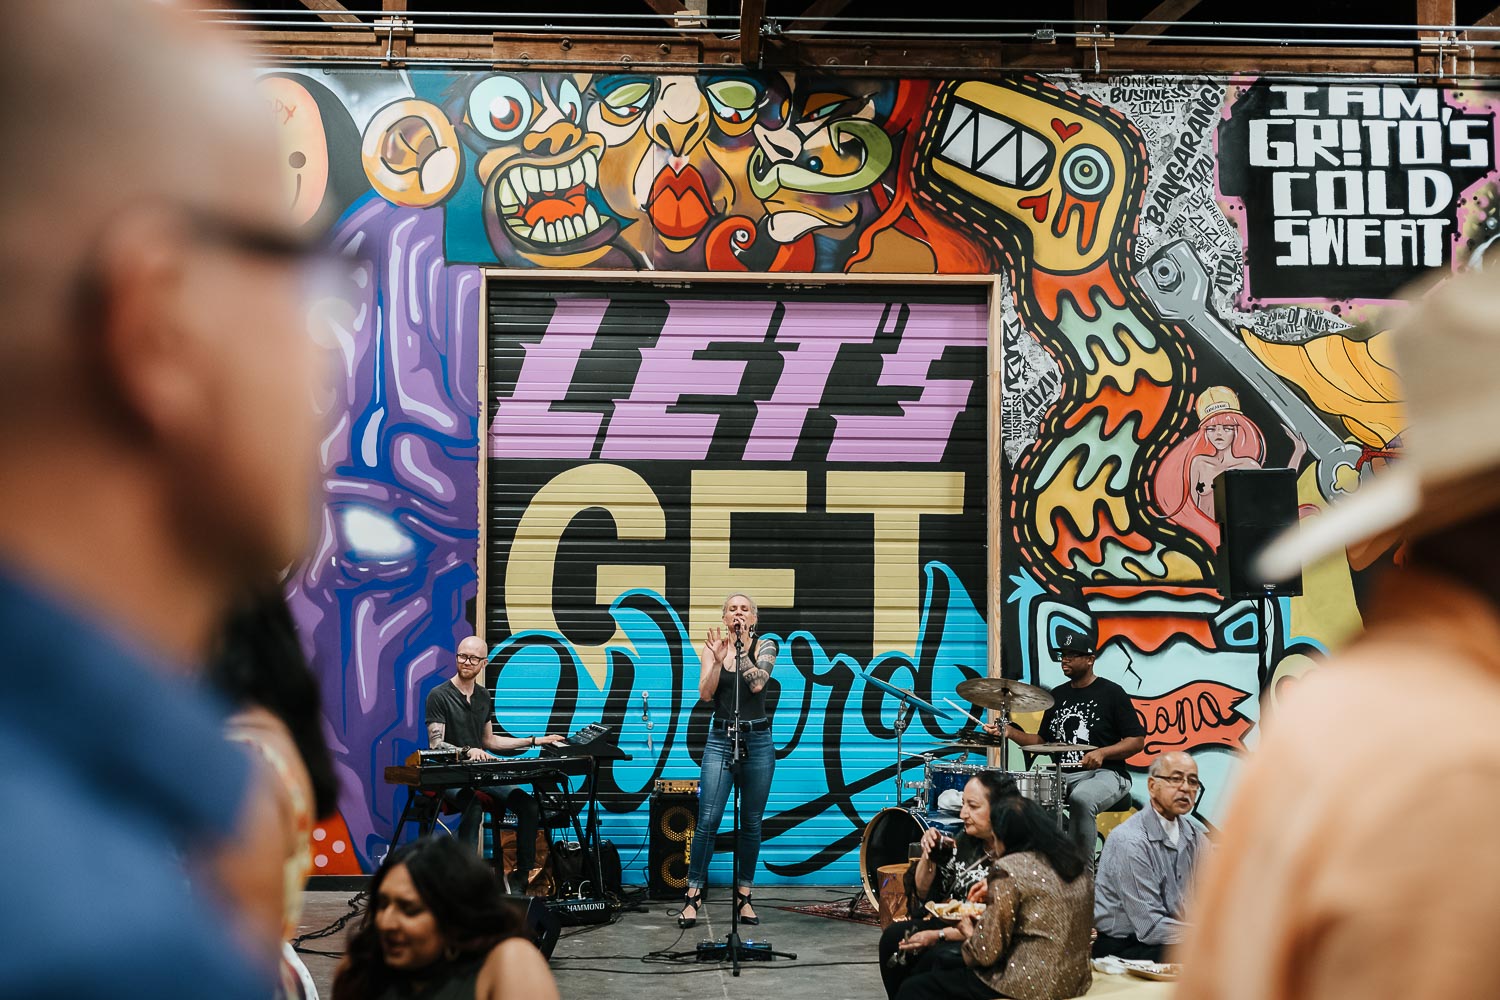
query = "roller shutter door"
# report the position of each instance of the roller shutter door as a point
(652, 449)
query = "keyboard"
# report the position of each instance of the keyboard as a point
(593, 740)
(432, 774)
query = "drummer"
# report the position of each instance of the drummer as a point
(1096, 712)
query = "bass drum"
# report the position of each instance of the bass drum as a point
(888, 838)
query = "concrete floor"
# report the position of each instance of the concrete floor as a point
(835, 958)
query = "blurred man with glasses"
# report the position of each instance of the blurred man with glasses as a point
(1147, 864)
(460, 717)
(158, 434)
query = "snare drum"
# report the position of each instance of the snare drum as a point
(945, 774)
(1041, 787)
(887, 839)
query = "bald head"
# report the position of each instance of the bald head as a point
(155, 330)
(470, 660)
(117, 103)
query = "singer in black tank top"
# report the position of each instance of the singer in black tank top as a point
(724, 671)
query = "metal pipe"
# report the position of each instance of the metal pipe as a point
(525, 15)
(538, 30)
(1037, 22)
(1375, 43)
(696, 31)
(957, 72)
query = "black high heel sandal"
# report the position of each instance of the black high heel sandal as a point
(742, 900)
(696, 902)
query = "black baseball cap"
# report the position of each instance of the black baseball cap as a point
(1067, 640)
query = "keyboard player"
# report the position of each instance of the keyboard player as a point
(459, 717)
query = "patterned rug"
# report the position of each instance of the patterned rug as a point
(861, 912)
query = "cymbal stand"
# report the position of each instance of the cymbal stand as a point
(903, 719)
(1061, 795)
(1005, 732)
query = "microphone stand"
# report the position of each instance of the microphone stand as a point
(732, 947)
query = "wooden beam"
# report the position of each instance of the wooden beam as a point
(1490, 20)
(666, 8)
(1439, 12)
(819, 9)
(1167, 10)
(872, 57)
(1091, 15)
(1435, 49)
(752, 16)
(331, 11)
(396, 40)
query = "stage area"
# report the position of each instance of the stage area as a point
(835, 958)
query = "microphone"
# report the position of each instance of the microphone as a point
(737, 626)
(646, 718)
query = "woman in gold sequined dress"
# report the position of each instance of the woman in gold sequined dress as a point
(1032, 941)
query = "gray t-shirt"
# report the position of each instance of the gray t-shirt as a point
(464, 718)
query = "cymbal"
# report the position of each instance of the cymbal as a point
(906, 696)
(1059, 748)
(1002, 692)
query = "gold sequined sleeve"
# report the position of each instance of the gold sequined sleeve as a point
(991, 937)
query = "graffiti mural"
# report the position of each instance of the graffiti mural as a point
(659, 452)
(1190, 275)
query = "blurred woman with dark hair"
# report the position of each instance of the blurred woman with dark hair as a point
(437, 927)
(259, 668)
(1032, 940)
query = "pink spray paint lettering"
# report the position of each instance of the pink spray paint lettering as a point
(710, 357)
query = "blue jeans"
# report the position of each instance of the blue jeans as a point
(713, 795)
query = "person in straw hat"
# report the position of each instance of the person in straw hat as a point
(1357, 857)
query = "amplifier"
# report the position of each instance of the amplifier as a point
(673, 818)
(543, 925)
(675, 786)
(573, 911)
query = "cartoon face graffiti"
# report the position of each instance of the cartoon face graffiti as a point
(319, 145)
(1060, 176)
(678, 149)
(814, 170)
(539, 168)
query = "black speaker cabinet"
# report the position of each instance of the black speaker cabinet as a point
(673, 818)
(1252, 507)
(541, 923)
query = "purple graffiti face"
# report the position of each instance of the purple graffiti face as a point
(381, 601)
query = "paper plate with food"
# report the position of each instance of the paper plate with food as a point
(1160, 971)
(956, 909)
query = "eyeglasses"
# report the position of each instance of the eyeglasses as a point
(297, 248)
(263, 241)
(466, 658)
(1178, 780)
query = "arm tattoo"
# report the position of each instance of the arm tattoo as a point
(435, 733)
(765, 662)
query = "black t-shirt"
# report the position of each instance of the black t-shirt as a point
(465, 718)
(752, 703)
(1100, 714)
(957, 871)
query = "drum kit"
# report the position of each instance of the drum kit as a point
(888, 837)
